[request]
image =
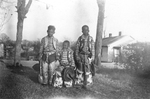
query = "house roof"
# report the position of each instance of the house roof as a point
(109, 40)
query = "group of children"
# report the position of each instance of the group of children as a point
(57, 67)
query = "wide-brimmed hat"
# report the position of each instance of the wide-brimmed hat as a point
(68, 73)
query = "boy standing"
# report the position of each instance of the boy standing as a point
(48, 54)
(85, 53)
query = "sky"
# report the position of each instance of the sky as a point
(132, 17)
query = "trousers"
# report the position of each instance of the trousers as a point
(49, 64)
(84, 76)
(48, 72)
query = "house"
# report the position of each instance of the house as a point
(112, 45)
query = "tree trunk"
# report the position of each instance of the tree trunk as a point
(18, 41)
(98, 44)
(22, 10)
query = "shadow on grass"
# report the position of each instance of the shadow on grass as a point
(9, 89)
(32, 74)
(143, 74)
(36, 67)
(141, 84)
(8, 84)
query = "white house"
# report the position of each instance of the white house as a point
(111, 46)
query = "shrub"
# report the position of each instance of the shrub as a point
(136, 56)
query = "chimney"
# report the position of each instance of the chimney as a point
(110, 35)
(120, 33)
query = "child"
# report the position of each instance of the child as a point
(47, 56)
(84, 53)
(65, 72)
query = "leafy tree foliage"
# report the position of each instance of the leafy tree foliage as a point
(136, 56)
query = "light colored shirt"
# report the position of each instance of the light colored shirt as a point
(48, 44)
(64, 58)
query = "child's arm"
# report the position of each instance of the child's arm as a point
(58, 55)
(77, 49)
(93, 50)
(41, 48)
(72, 59)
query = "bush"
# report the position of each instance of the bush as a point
(136, 56)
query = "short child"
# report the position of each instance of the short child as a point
(66, 63)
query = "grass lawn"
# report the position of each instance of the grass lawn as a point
(21, 83)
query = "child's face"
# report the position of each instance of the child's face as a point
(50, 32)
(85, 31)
(65, 45)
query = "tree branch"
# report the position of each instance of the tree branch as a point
(28, 6)
(101, 3)
(20, 3)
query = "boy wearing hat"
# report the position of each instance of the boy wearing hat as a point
(48, 56)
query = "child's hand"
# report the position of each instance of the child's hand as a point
(90, 60)
(63, 63)
(57, 58)
(74, 68)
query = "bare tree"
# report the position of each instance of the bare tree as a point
(5, 13)
(22, 10)
(98, 45)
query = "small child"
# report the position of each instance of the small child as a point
(66, 68)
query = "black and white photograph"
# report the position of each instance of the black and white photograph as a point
(74, 49)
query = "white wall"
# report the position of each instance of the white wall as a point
(104, 55)
(110, 54)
